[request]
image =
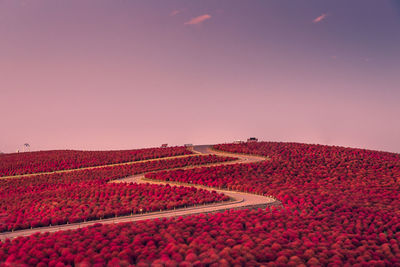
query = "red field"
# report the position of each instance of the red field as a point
(54, 205)
(58, 198)
(340, 208)
(46, 161)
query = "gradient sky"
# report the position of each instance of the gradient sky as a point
(116, 74)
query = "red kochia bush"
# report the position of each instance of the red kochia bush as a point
(89, 201)
(308, 175)
(340, 208)
(327, 183)
(251, 238)
(108, 173)
(81, 195)
(45, 161)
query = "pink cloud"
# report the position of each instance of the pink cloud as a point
(175, 12)
(320, 18)
(198, 20)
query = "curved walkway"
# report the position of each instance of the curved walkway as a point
(95, 167)
(239, 200)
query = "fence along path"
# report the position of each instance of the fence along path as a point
(239, 200)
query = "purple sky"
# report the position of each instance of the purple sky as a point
(94, 74)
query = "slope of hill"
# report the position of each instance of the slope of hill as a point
(340, 206)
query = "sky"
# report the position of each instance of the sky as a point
(120, 74)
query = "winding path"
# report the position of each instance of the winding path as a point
(239, 200)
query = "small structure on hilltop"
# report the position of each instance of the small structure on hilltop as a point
(252, 139)
(27, 147)
(164, 145)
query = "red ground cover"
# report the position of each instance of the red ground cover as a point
(81, 195)
(242, 238)
(45, 161)
(340, 208)
(306, 175)
(77, 202)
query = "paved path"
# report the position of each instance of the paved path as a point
(239, 200)
(96, 167)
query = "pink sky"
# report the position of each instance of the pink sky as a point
(120, 74)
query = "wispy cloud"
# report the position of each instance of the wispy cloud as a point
(320, 18)
(198, 20)
(175, 12)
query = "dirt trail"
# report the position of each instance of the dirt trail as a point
(239, 200)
